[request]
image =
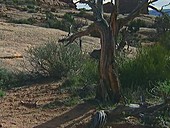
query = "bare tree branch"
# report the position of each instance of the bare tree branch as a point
(165, 6)
(135, 13)
(154, 8)
(71, 38)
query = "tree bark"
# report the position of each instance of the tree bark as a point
(109, 86)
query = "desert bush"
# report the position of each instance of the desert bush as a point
(165, 40)
(164, 88)
(162, 24)
(148, 67)
(2, 93)
(7, 79)
(134, 25)
(54, 60)
(83, 82)
(23, 21)
(19, 2)
(65, 23)
(53, 22)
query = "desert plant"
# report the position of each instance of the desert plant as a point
(65, 23)
(2, 93)
(83, 82)
(148, 67)
(7, 79)
(165, 40)
(164, 88)
(162, 24)
(134, 25)
(30, 20)
(54, 60)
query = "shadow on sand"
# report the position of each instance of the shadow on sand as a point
(69, 119)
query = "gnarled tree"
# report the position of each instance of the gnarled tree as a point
(109, 86)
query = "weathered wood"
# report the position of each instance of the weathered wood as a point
(109, 86)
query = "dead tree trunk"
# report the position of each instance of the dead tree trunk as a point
(109, 87)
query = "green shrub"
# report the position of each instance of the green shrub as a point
(19, 2)
(165, 40)
(7, 79)
(164, 88)
(150, 65)
(2, 93)
(162, 24)
(65, 23)
(69, 18)
(23, 21)
(32, 11)
(55, 60)
(83, 82)
(52, 22)
(134, 25)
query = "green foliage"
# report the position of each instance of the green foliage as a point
(164, 88)
(83, 82)
(23, 21)
(52, 22)
(150, 66)
(82, 12)
(2, 93)
(55, 60)
(87, 74)
(165, 40)
(19, 2)
(162, 24)
(7, 79)
(134, 25)
(65, 23)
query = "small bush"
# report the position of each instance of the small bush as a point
(23, 21)
(55, 60)
(2, 93)
(83, 82)
(162, 24)
(7, 79)
(64, 24)
(150, 66)
(165, 40)
(164, 88)
(134, 25)
(19, 2)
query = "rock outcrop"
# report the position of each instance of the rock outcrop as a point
(127, 6)
(108, 7)
(54, 4)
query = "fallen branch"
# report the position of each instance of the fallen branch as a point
(132, 110)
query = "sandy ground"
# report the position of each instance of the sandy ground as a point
(15, 39)
(25, 107)
(18, 109)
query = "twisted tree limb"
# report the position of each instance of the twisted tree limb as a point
(71, 38)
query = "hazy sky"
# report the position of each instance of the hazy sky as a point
(162, 2)
(158, 4)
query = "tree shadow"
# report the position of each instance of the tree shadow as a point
(76, 115)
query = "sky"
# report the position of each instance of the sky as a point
(157, 4)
